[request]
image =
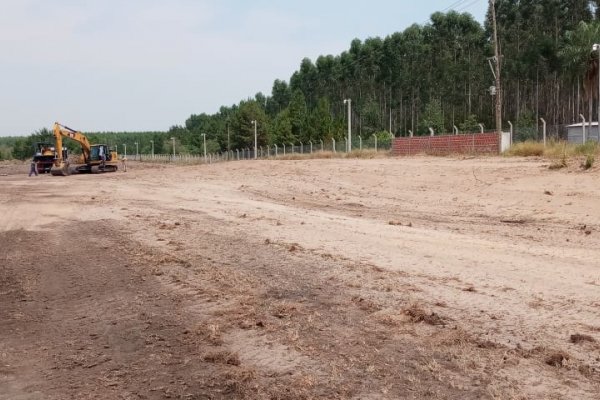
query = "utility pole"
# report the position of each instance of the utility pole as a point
(498, 60)
(349, 140)
(596, 47)
(228, 143)
(255, 140)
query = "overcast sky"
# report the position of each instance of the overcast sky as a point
(112, 65)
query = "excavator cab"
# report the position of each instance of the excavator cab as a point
(100, 158)
(99, 150)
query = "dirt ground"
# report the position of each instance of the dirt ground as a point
(424, 277)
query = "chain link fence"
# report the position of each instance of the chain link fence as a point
(278, 150)
(536, 133)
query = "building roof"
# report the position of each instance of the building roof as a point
(580, 124)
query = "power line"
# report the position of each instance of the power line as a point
(454, 5)
(458, 6)
(469, 5)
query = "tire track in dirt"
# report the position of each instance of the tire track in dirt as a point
(347, 330)
(79, 321)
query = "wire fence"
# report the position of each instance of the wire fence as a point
(536, 133)
(280, 150)
(542, 132)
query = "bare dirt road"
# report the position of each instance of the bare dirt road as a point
(353, 279)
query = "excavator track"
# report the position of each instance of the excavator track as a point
(108, 168)
(62, 171)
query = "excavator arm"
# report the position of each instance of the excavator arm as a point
(61, 131)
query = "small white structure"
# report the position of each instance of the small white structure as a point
(575, 132)
(505, 142)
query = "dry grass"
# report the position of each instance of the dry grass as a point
(589, 161)
(240, 381)
(222, 357)
(210, 333)
(526, 149)
(559, 151)
(418, 314)
(365, 154)
(286, 310)
(455, 336)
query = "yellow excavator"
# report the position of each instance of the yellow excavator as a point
(94, 157)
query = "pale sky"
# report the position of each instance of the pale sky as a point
(116, 65)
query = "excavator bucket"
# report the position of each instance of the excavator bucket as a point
(62, 170)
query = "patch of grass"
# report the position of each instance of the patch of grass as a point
(222, 357)
(210, 333)
(368, 153)
(365, 154)
(526, 149)
(559, 151)
(589, 161)
(561, 158)
(559, 164)
(417, 314)
(240, 381)
(586, 148)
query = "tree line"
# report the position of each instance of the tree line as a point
(433, 75)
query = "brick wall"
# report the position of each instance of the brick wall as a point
(480, 143)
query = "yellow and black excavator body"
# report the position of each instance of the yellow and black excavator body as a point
(94, 157)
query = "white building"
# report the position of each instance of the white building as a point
(575, 132)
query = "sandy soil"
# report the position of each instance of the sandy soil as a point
(353, 279)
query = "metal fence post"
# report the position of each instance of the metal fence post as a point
(375, 137)
(360, 142)
(544, 130)
(511, 132)
(333, 141)
(284, 149)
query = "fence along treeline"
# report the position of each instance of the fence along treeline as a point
(432, 75)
